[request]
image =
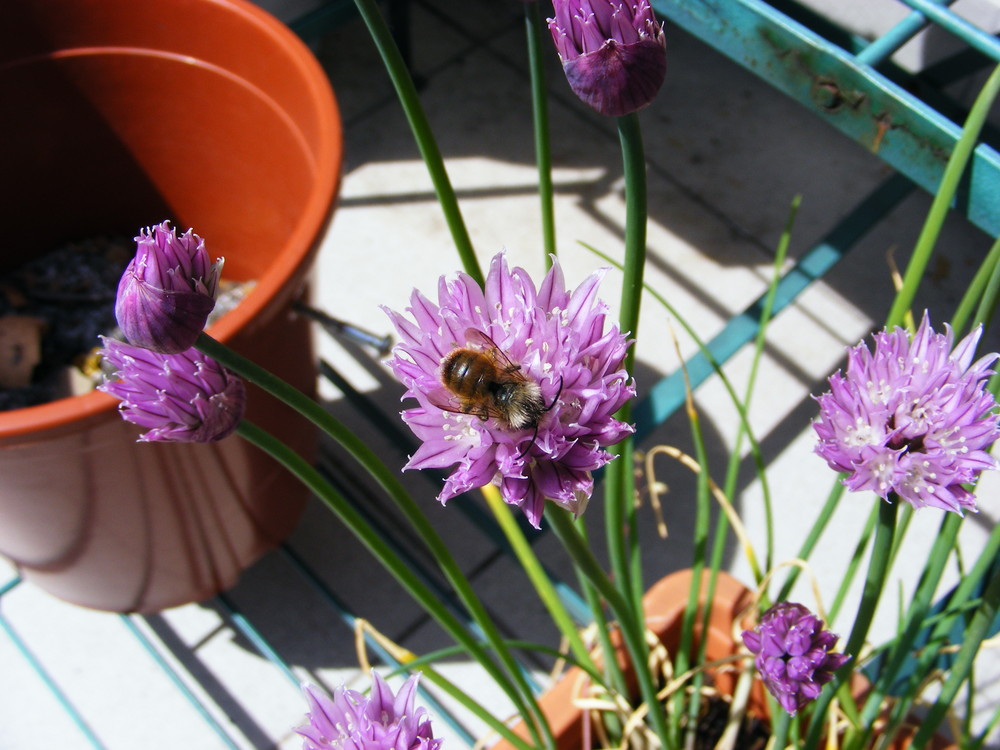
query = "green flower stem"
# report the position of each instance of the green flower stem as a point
(632, 630)
(920, 605)
(962, 667)
(619, 509)
(521, 695)
(613, 674)
(634, 171)
(765, 318)
(537, 575)
(779, 728)
(682, 659)
(311, 478)
(953, 172)
(536, 32)
(737, 402)
(878, 568)
(854, 564)
(736, 457)
(976, 292)
(415, 115)
(959, 604)
(991, 294)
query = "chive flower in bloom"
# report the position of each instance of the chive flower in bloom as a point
(613, 52)
(180, 398)
(911, 417)
(550, 342)
(380, 721)
(792, 654)
(167, 290)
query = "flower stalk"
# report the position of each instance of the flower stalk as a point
(619, 511)
(632, 629)
(871, 594)
(535, 32)
(538, 577)
(955, 168)
(406, 90)
(975, 634)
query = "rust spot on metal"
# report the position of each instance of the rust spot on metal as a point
(883, 124)
(831, 97)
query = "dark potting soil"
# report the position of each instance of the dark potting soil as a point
(52, 310)
(753, 734)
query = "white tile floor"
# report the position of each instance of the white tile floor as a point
(727, 154)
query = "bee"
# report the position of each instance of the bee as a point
(486, 383)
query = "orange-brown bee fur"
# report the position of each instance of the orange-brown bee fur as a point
(486, 383)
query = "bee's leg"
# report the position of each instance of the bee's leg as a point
(534, 436)
(558, 394)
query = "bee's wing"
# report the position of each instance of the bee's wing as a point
(442, 398)
(447, 401)
(477, 338)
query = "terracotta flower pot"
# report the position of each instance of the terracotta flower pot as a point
(664, 605)
(117, 115)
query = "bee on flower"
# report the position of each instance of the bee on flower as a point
(515, 385)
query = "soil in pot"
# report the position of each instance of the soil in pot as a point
(52, 309)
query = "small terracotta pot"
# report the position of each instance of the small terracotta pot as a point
(119, 114)
(664, 605)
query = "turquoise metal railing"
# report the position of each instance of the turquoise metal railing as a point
(842, 87)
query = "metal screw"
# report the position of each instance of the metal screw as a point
(337, 327)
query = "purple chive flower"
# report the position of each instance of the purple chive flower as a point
(381, 721)
(911, 418)
(179, 398)
(549, 340)
(613, 52)
(792, 654)
(167, 290)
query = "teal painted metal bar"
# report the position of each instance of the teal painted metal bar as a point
(887, 44)
(43, 674)
(667, 395)
(968, 32)
(256, 638)
(912, 137)
(178, 683)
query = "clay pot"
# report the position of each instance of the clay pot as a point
(664, 605)
(119, 114)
